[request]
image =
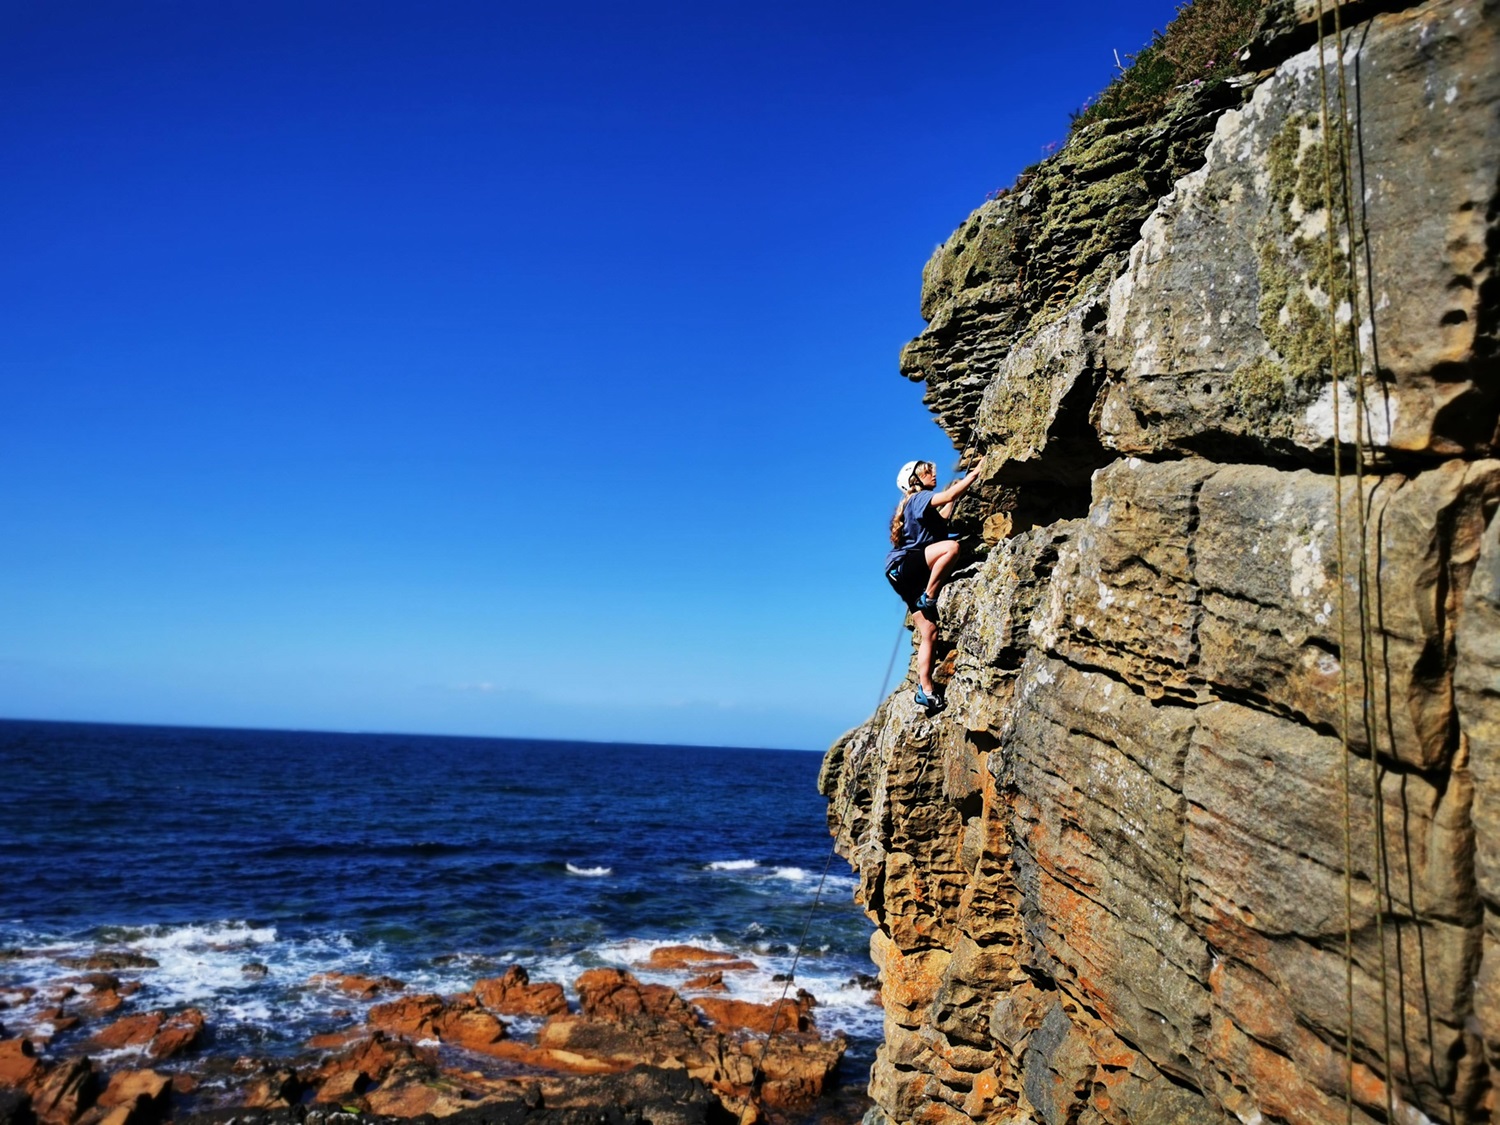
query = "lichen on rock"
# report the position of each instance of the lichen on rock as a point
(1216, 789)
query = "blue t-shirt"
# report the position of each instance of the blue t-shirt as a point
(921, 524)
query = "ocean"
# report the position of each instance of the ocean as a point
(435, 860)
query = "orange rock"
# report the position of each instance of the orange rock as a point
(742, 1015)
(101, 1003)
(412, 1016)
(141, 1089)
(178, 1034)
(130, 1031)
(356, 985)
(513, 994)
(64, 1092)
(276, 1090)
(342, 1087)
(692, 957)
(614, 994)
(18, 1062)
(708, 982)
(344, 1076)
(543, 1058)
(471, 1029)
(334, 1040)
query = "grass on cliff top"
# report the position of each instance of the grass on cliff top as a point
(1199, 46)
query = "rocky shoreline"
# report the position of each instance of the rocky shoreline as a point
(84, 1050)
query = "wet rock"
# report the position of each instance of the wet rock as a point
(64, 1092)
(110, 960)
(179, 1033)
(513, 994)
(626, 1024)
(255, 970)
(279, 1088)
(692, 957)
(615, 994)
(130, 1031)
(742, 1015)
(706, 982)
(356, 984)
(19, 1065)
(145, 1094)
(459, 1021)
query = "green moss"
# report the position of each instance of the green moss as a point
(1260, 393)
(1298, 280)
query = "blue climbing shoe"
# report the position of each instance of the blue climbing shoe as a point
(929, 703)
(927, 605)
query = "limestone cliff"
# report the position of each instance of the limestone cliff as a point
(1216, 798)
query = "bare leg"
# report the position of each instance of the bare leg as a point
(926, 634)
(940, 559)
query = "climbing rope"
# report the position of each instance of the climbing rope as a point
(1337, 343)
(827, 863)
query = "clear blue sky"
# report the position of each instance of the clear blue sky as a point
(484, 368)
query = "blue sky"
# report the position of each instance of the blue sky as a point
(484, 368)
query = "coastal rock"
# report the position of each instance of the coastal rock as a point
(459, 1021)
(356, 984)
(615, 994)
(513, 994)
(19, 1065)
(372, 1058)
(692, 957)
(1217, 789)
(130, 1031)
(144, 1094)
(110, 960)
(279, 1087)
(1218, 329)
(180, 1032)
(63, 1092)
(768, 1019)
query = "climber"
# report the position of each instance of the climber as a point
(922, 552)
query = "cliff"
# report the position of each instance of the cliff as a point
(1210, 828)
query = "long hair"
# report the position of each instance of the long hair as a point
(913, 486)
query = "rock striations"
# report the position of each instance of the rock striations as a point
(1210, 829)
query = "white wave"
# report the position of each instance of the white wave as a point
(221, 936)
(731, 865)
(795, 874)
(592, 872)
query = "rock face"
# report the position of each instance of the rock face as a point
(1210, 828)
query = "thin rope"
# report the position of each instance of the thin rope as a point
(1366, 634)
(1338, 494)
(827, 863)
(1367, 638)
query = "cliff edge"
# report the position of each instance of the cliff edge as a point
(1210, 829)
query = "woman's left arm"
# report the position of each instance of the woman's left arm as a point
(957, 488)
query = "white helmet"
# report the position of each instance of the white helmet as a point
(903, 477)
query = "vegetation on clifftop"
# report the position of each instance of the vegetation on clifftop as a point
(1198, 46)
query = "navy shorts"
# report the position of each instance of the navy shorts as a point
(908, 577)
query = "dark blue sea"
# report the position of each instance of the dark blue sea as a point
(431, 859)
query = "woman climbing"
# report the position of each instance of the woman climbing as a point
(921, 555)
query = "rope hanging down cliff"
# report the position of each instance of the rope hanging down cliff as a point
(1340, 340)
